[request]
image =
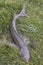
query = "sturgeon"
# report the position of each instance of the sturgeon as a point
(24, 51)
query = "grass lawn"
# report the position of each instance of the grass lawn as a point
(31, 26)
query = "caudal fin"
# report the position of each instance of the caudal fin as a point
(23, 13)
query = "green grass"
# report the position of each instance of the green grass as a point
(31, 26)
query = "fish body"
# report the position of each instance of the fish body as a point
(17, 39)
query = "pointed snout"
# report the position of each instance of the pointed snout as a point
(25, 60)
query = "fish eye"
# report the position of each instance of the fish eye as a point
(20, 47)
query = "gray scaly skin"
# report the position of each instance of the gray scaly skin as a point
(17, 39)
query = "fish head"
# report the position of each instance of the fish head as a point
(25, 54)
